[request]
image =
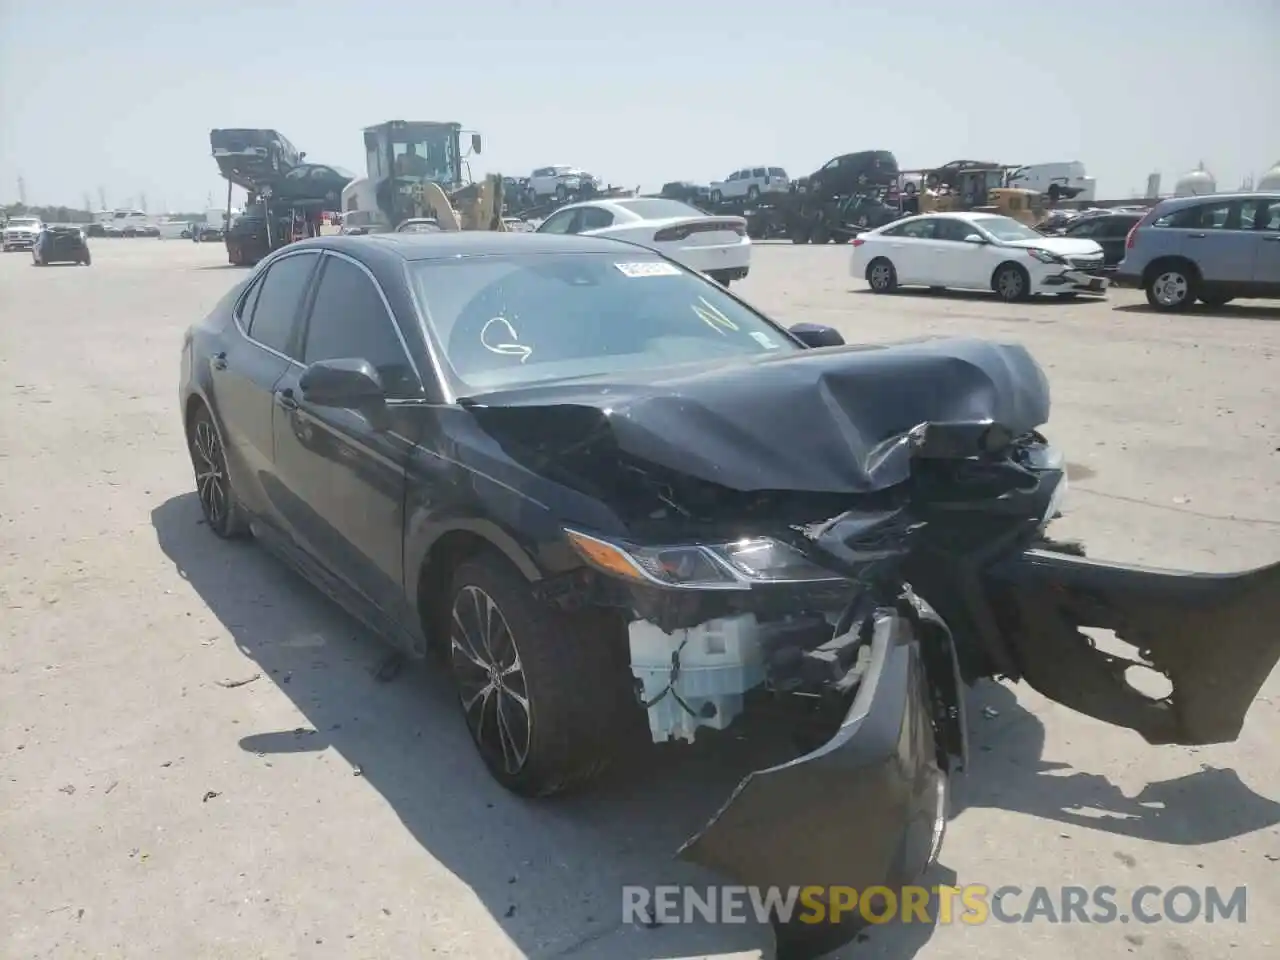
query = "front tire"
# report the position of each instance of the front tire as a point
(1171, 289)
(546, 695)
(222, 511)
(881, 276)
(1011, 283)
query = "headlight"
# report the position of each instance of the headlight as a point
(1044, 457)
(1044, 256)
(721, 566)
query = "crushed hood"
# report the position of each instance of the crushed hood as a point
(832, 420)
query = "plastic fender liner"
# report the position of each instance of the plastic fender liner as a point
(1216, 637)
(868, 808)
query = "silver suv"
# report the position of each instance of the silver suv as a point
(1210, 248)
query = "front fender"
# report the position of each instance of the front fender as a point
(1216, 637)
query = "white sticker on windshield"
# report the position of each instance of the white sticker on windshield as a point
(650, 268)
(764, 340)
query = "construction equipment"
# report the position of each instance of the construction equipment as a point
(404, 157)
(476, 206)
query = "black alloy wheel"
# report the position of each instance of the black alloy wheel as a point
(491, 681)
(213, 483)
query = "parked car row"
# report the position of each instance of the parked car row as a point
(1212, 249)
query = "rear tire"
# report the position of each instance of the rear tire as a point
(549, 697)
(222, 511)
(1011, 283)
(882, 277)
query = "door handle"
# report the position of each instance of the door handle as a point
(285, 399)
(219, 361)
(1275, 239)
(1195, 236)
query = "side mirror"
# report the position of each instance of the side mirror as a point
(975, 238)
(475, 143)
(348, 383)
(817, 335)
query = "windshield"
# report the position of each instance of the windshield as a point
(508, 321)
(23, 221)
(1006, 228)
(659, 209)
(429, 157)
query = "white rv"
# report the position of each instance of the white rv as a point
(1057, 181)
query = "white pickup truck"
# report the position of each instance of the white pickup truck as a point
(20, 233)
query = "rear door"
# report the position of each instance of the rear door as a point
(1266, 266)
(244, 376)
(911, 250)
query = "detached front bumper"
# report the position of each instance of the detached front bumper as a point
(866, 809)
(1216, 637)
(1079, 282)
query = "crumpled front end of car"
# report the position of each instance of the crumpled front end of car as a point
(840, 541)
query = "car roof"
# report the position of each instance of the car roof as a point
(1173, 203)
(463, 243)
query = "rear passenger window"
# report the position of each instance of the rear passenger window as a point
(777, 172)
(758, 172)
(283, 288)
(1269, 216)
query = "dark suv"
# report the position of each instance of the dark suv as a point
(852, 173)
(60, 243)
(1212, 249)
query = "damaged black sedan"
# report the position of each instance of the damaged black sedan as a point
(615, 496)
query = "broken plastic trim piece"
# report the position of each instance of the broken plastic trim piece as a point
(1216, 637)
(865, 809)
(727, 566)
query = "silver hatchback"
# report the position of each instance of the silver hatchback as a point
(1210, 248)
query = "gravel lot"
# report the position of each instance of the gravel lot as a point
(150, 807)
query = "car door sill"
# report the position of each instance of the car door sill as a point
(376, 620)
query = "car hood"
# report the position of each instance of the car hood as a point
(1063, 246)
(833, 420)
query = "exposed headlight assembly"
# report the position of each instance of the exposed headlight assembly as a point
(722, 566)
(1044, 457)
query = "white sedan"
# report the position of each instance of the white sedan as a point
(976, 251)
(716, 246)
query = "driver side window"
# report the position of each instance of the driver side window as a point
(558, 222)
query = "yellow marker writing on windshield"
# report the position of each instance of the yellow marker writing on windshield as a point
(712, 316)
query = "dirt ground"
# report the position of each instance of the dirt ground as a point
(198, 760)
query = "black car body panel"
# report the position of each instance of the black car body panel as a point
(58, 244)
(1216, 637)
(798, 422)
(913, 473)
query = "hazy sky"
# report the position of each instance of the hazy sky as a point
(122, 95)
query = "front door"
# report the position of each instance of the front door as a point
(342, 472)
